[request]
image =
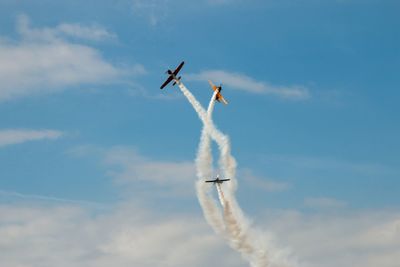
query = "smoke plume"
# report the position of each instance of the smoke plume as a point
(231, 224)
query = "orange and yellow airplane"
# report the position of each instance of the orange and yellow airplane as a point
(219, 96)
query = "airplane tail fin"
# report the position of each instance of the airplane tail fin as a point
(177, 80)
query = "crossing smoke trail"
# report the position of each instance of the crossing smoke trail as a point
(227, 162)
(234, 224)
(204, 169)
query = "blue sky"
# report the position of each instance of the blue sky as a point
(313, 113)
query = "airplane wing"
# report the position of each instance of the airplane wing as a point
(179, 68)
(212, 85)
(224, 180)
(211, 181)
(166, 82)
(222, 99)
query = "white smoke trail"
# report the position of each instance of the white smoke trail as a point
(221, 195)
(227, 162)
(228, 166)
(241, 240)
(204, 170)
(234, 222)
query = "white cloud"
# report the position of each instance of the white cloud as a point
(61, 235)
(245, 83)
(15, 136)
(353, 238)
(44, 62)
(28, 69)
(324, 203)
(66, 235)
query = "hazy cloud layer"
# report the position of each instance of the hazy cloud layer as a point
(245, 83)
(67, 235)
(349, 238)
(57, 234)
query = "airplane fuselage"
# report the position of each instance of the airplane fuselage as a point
(172, 76)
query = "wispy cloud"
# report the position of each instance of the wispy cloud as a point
(128, 167)
(43, 61)
(156, 12)
(135, 167)
(245, 83)
(324, 203)
(16, 195)
(262, 183)
(153, 10)
(18, 136)
(62, 31)
(318, 163)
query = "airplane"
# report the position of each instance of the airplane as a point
(217, 180)
(219, 97)
(172, 76)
